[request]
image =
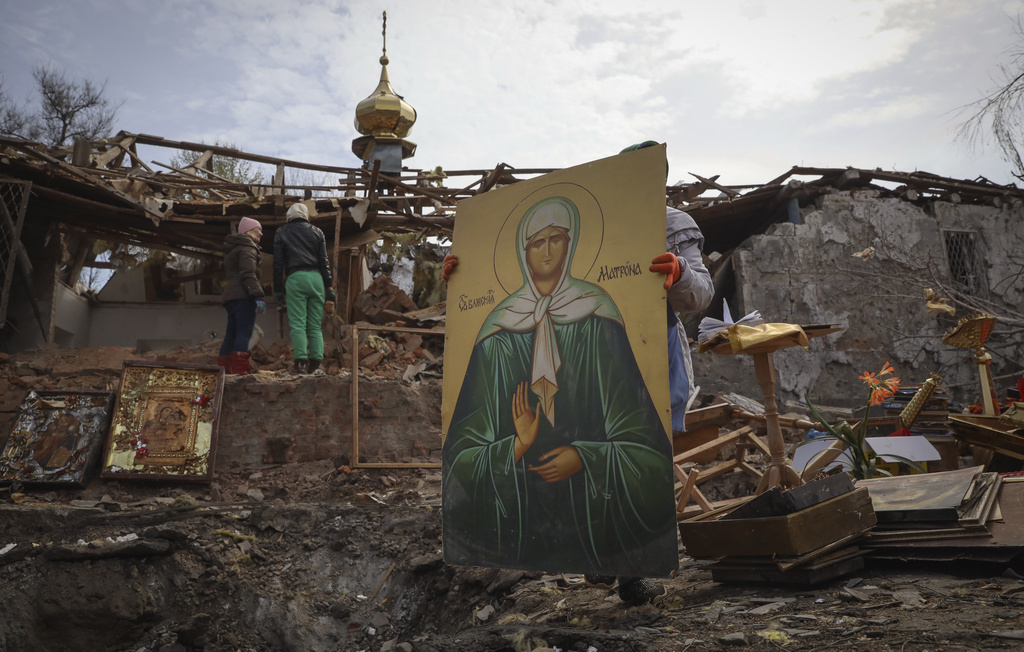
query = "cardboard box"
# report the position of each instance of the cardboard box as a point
(790, 535)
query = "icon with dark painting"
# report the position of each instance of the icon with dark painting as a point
(167, 431)
(56, 437)
(57, 442)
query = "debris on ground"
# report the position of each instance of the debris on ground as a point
(312, 557)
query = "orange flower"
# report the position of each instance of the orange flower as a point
(881, 388)
(878, 396)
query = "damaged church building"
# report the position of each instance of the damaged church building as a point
(857, 248)
(875, 265)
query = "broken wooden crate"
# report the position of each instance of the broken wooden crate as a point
(800, 571)
(809, 545)
(687, 480)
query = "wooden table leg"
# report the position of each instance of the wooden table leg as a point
(779, 472)
(989, 400)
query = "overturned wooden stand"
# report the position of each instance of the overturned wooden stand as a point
(744, 438)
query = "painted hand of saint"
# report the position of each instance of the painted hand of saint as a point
(525, 420)
(565, 461)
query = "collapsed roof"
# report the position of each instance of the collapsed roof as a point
(105, 190)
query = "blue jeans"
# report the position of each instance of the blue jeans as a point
(241, 323)
(678, 383)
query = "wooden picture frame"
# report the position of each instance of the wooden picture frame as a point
(56, 438)
(165, 422)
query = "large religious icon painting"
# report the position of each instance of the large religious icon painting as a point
(555, 409)
(165, 423)
(56, 438)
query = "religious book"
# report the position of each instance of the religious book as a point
(709, 326)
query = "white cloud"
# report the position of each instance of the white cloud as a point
(745, 88)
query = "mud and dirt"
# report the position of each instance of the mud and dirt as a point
(303, 557)
(313, 557)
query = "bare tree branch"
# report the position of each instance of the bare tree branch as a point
(1000, 114)
(71, 110)
(14, 120)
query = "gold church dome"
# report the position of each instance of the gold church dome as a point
(384, 113)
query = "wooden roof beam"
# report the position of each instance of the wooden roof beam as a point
(157, 141)
(153, 216)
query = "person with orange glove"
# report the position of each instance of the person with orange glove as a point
(690, 290)
(689, 287)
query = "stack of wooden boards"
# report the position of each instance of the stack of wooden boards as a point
(827, 528)
(933, 506)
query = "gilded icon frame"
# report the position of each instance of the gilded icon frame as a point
(165, 423)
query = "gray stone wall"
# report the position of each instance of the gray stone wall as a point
(807, 273)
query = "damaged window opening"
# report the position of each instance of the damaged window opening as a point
(14, 198)
(965, 263)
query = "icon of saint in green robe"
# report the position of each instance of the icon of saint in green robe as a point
(555, 458)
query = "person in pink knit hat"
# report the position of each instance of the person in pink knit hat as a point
(243, 294)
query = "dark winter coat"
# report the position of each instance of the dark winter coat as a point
(241, 268)
(298, 245)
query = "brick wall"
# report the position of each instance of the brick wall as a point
(310, 418)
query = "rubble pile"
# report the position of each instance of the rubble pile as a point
(314, 556)
(308, 557)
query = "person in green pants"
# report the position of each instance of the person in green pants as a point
(302, 281)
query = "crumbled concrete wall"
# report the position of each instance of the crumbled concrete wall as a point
(807, 274)
(71, 318)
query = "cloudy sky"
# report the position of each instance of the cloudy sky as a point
(745, 89)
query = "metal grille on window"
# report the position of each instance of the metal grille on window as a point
(13, 200)
(965, 263)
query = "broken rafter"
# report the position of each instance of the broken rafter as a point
(711, 183)
(70, 169)
(116, 152)
(476, 173)
(391, 223)
(210, 189)
(430, 225)
(920, 181)
(492, 178)
(782, 177)
(468, 190)
(416, 190)
(83, 203)
(134, 239)
(156, 141)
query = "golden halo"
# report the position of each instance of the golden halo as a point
(590, 241)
